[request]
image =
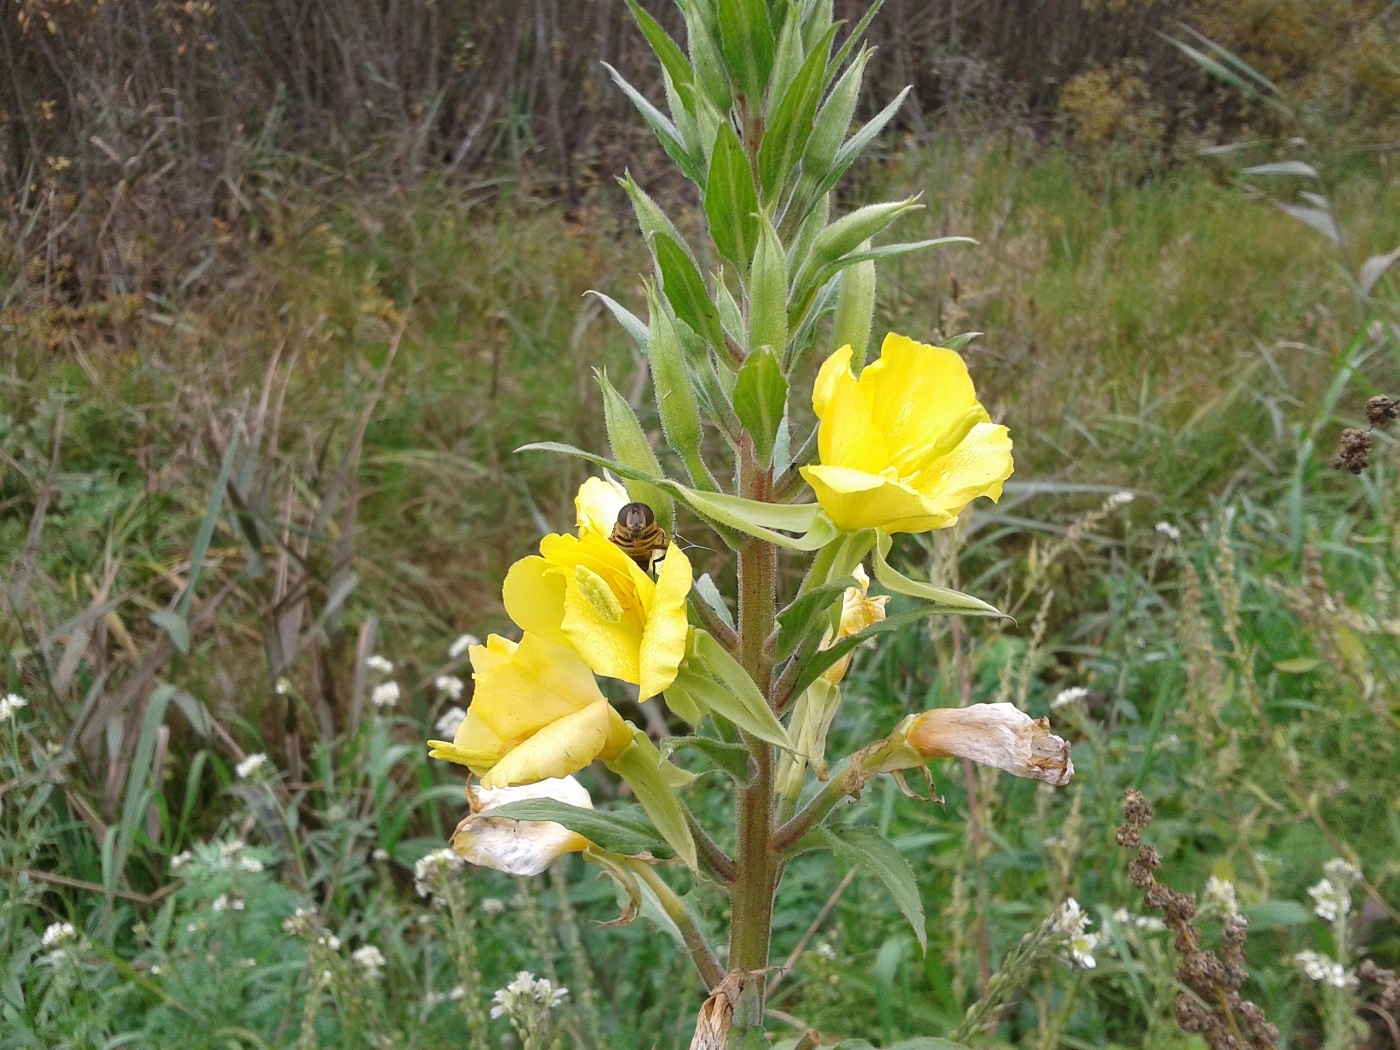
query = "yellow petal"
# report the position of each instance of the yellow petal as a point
(596, 506)
(664, 637)
(920, 393)
(848, 434)
(854, 499)
(474, 746)
(534, 599)
(605, 604)
(977, 467)
(540, 684)
(564, 746)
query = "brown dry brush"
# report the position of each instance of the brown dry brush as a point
(1211, 1005)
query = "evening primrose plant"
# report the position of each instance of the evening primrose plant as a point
(759, 109)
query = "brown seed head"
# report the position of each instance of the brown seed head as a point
(1353, 450)
(1381, 410)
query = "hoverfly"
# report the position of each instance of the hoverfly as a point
(637, 533)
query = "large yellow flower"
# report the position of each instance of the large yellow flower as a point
(536, 713)
(905, 447)
(585, 593)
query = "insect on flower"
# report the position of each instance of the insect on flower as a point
(637, 533)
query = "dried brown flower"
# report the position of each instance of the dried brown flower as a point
(1353, 450)
(1381, 410)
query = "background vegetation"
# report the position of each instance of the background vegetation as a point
(287, 284)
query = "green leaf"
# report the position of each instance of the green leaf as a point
(959, 341)
(624, 830)
(1275, 915)
(865, 846)
(761, 519)
(834, 120)
(685, 289)
(732, 759)
(790, 123)
(854, 146)
(731, 693)
(884, 252)
(845, 235)
(651, 220)
(673, 60)
(205, 535)
(892, 580)
(746, 39)
(630, 446)
(855, 310)
(809, 609)
(631, 323)
(731, 202)
(173, 624)
(662, 126)
(760, 399)
(705, 57)
(706, 590)
(675, 398)
(640, 765)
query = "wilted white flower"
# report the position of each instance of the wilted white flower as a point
(448, 723)
(461, 645)
(825, 951)
(228, 902)
(999, 735)
(1065, 697)
(492, 906)
(58, 935)
(1219, 900)
(250, 766)
(526, 996)
(432, 871)
(282, 687)
(1320, 968)
(1170, 531)
(385, 694)
(450, 686)
(1119, 499)
(370, 961)
(1331, 900)
(9, 704)
(1072, 924)
(519, 847)
(380, 665)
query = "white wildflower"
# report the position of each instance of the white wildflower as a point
(300, 922)
(1119, 499)
(450, 720)
(228, 902)
(380, 854)
(1072, 923)
(825, 951)
(1318, 967)
(1065, 697)
(181, 859)
(370, 961)
(455, 995)
(492, 906)
(251, 766)
(1148, 923)
(1341, 873)
(432, 871)
(58, 935)
(385, 694)
(526, 996)
(450, 686)
(283, 686)
(1219, 900)
(1331, 900)
(329, 941)
(1170, 531)
(461, 645)
(9, 704)
(249, 864)
(379, 665)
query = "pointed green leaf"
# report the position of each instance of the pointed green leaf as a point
(675, 398)
(959, 341)
(631, 447)
(625, 830)
(768, 293)
(685, 289)
(662, 126)
(746, 39)
(174, 625)
(640, 765)
(885, 251)
(855, 310)
(631, 323)
(854, 146)
(790, 123)
(807, 611)
(732, 759)
(673, 60)
(760, 399)
(731, 202)
(701, 29)
(731, 693)
(707, 591)
(650, 218)
(892, 580)
(865, 846)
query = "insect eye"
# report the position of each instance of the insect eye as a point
(635, 516)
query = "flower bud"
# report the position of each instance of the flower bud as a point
(858, 611)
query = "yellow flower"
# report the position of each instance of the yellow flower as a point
(905, 447)
(585, 593)
(858, 611)
(536, 713)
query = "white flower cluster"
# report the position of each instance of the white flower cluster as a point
(450, 720)
(525, 995)
(251, 766)
(9, 704)
(1072, 924)
(432, 871)
(1218, 900)
(56, 940)
(492, 906)
(385, 694)
(379, 665)
(1119, 499)
(1170, 531)
(1147, 923)
(1320, 968)
(218, 856)
(1065, 697)
(228, 902)
(1331, 901)
(370, 961)
(433, 999)
(450, 686)
(300, 922)
(461, 645)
